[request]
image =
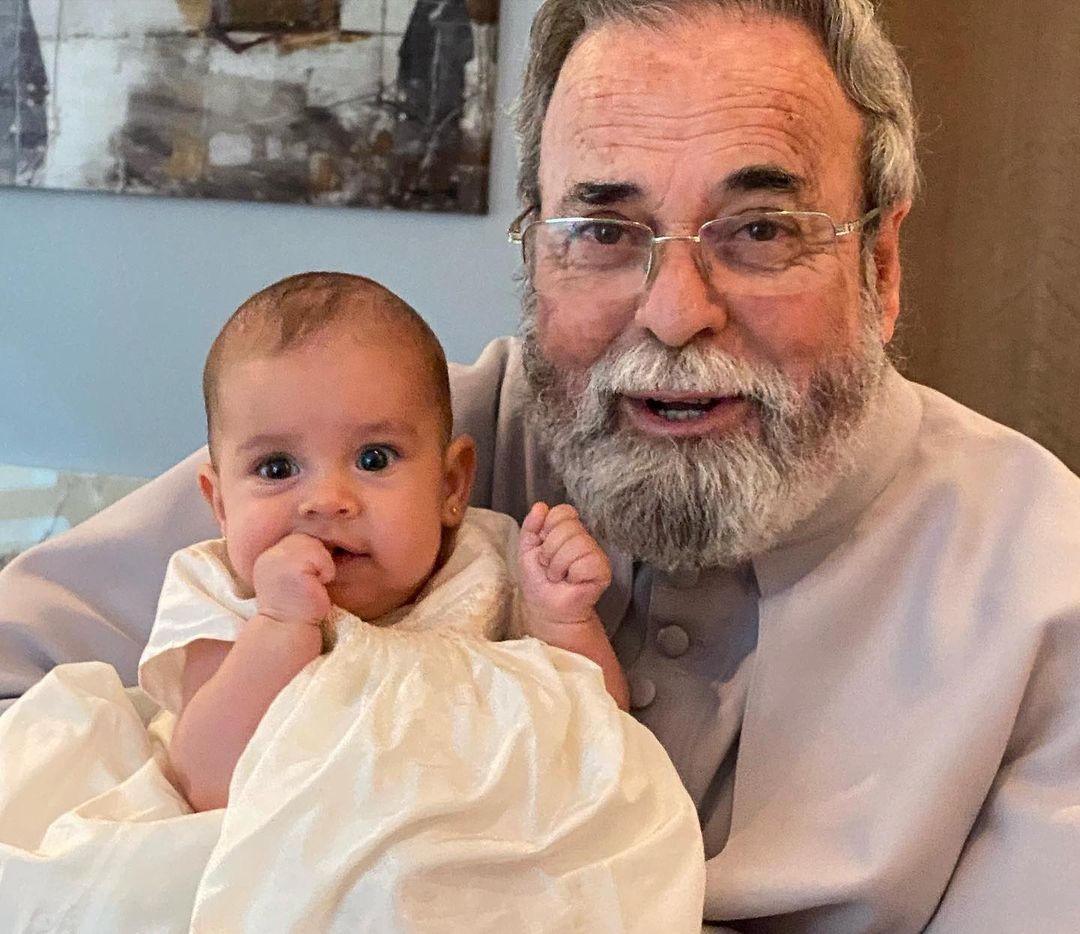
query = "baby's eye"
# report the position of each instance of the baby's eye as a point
(375, 457)
(277, 467)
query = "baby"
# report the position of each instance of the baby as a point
(337, 483)
(426, 773)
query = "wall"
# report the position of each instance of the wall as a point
(992, 247)
(108, 304)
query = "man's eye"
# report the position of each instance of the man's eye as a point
(762, 231)
(606, 234)
(376, 457)
(277, 468)
(766, 228)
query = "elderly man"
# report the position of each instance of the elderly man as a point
(848, 607)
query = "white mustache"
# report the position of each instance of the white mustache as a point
(650, 367)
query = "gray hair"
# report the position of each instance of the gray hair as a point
(864, 60)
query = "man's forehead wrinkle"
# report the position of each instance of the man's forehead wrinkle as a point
(785, 150)
(802, 113)
(759, 93)
(799, 80)
(655, 135)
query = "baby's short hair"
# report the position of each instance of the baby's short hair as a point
(291, 312)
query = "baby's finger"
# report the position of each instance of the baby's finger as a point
(322, 563)
(569, 553)
(592, 567)
(310, 554)
(556, 536)
(534, 521)
(530, 528)
(557, 515)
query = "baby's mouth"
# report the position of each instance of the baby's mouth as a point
(341, 554)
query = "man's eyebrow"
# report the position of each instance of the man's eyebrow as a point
(764, 178)
(599, 194)
(750, 178)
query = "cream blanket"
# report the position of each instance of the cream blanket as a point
(414, 779)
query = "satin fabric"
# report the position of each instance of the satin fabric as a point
(415, 778)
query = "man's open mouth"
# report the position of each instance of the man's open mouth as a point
(685, 414)
(682, 410)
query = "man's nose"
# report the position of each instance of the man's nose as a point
(330, 496)
(680, 303)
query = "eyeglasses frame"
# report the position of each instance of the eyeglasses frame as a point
(515, 233)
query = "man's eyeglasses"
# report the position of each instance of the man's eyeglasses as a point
(767, 252)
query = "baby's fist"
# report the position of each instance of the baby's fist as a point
(563, 569)
(290, 580)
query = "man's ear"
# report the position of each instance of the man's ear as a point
(459, 469)
(210, 486)
(887, 261)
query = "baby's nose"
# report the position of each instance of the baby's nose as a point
(331, 498)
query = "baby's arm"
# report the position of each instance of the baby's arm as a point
(563, 573)
(227, 688)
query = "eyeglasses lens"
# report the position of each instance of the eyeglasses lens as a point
(766, 253)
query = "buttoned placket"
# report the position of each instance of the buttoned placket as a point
(686, 642)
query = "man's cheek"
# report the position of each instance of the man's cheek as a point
(577, 337)
(797, 334)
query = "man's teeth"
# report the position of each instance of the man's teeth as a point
(682, 411)
(680, 415)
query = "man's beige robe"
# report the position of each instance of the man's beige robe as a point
(879, 721)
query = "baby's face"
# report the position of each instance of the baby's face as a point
(340, 441)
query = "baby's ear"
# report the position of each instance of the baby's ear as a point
(210, 487)
(459, 469)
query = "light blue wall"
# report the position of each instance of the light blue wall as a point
(109, 303)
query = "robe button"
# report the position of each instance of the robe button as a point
(642, 693)
(673, 641)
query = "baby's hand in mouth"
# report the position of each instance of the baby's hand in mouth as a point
(290, 580)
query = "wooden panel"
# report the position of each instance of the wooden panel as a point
(992, 258)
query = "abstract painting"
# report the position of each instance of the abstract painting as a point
(379, 103)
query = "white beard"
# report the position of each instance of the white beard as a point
(710, 501)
